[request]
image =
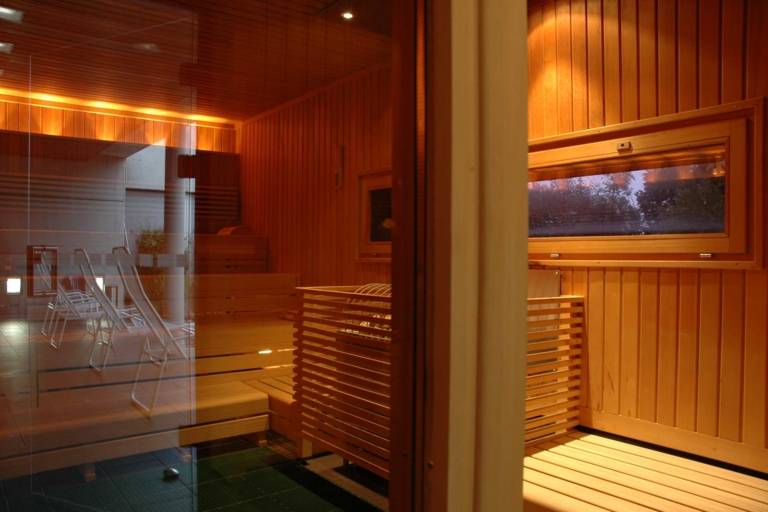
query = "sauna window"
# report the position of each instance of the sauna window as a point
(679, 199)
(683, 188)
(375, 215)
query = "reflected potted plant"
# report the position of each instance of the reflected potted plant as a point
(152, 242)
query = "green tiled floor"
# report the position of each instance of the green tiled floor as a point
(232, 476)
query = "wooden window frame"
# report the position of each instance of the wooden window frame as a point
(737, 127)
(369, 250)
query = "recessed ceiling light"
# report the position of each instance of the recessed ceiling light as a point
(147, 47)
(6, 47)
(8, 14)
(348, 15)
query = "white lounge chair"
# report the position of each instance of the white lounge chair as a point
(113, 320)
(161, 337)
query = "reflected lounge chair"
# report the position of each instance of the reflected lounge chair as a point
(161, 337)
(113, 320)
(69, 308)
(63, 302)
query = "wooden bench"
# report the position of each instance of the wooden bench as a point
(73, 415)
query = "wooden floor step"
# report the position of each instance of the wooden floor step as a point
(592, 472)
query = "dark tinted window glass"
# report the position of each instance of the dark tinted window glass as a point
(381, 215)
(683, 199)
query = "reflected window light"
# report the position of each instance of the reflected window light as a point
(12, 15)
(6, 47)
(100, 282)
(13, 286)
(265, 352)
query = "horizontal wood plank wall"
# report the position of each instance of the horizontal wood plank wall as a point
(21, 116)
(290, 157)
(674, 356)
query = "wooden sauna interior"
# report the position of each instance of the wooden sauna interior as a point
(675, 347)
(234, 168)
(250, 177)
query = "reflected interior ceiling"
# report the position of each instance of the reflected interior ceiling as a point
(227, 58)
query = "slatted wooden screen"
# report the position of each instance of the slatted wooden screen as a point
(553, 383)
(342, 375)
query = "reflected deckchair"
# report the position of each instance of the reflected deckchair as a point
(63, 300)
(161, 337)
(113, 320)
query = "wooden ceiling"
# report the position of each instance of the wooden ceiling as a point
(232, 59)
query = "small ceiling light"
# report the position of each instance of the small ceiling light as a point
(348, 15)
(6, 47)
(12, 15)
(147, 47)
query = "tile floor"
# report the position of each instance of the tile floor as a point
(230, 476)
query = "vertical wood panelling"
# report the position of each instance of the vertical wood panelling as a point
(648, 344)
(629, 61)
(687, 55)
(594, 37)
(565, 96)
(755, 359)
(595, 322)
(630, 307)
(732, 54)
(731, 355)
(667, 47)
(687, 349)
(709, 52)
(681, 348)
(667, 351)
(709, 353)
(290, 158)
(612, 351)
(612, 61)
(647, 35)
(579, 68)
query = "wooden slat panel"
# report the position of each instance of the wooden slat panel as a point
(342, 372)
(552, 381)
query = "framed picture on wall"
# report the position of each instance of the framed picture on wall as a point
(375, 215)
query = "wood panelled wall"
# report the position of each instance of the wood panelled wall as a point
(124, 127)
(289, 160)
(675, 356)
